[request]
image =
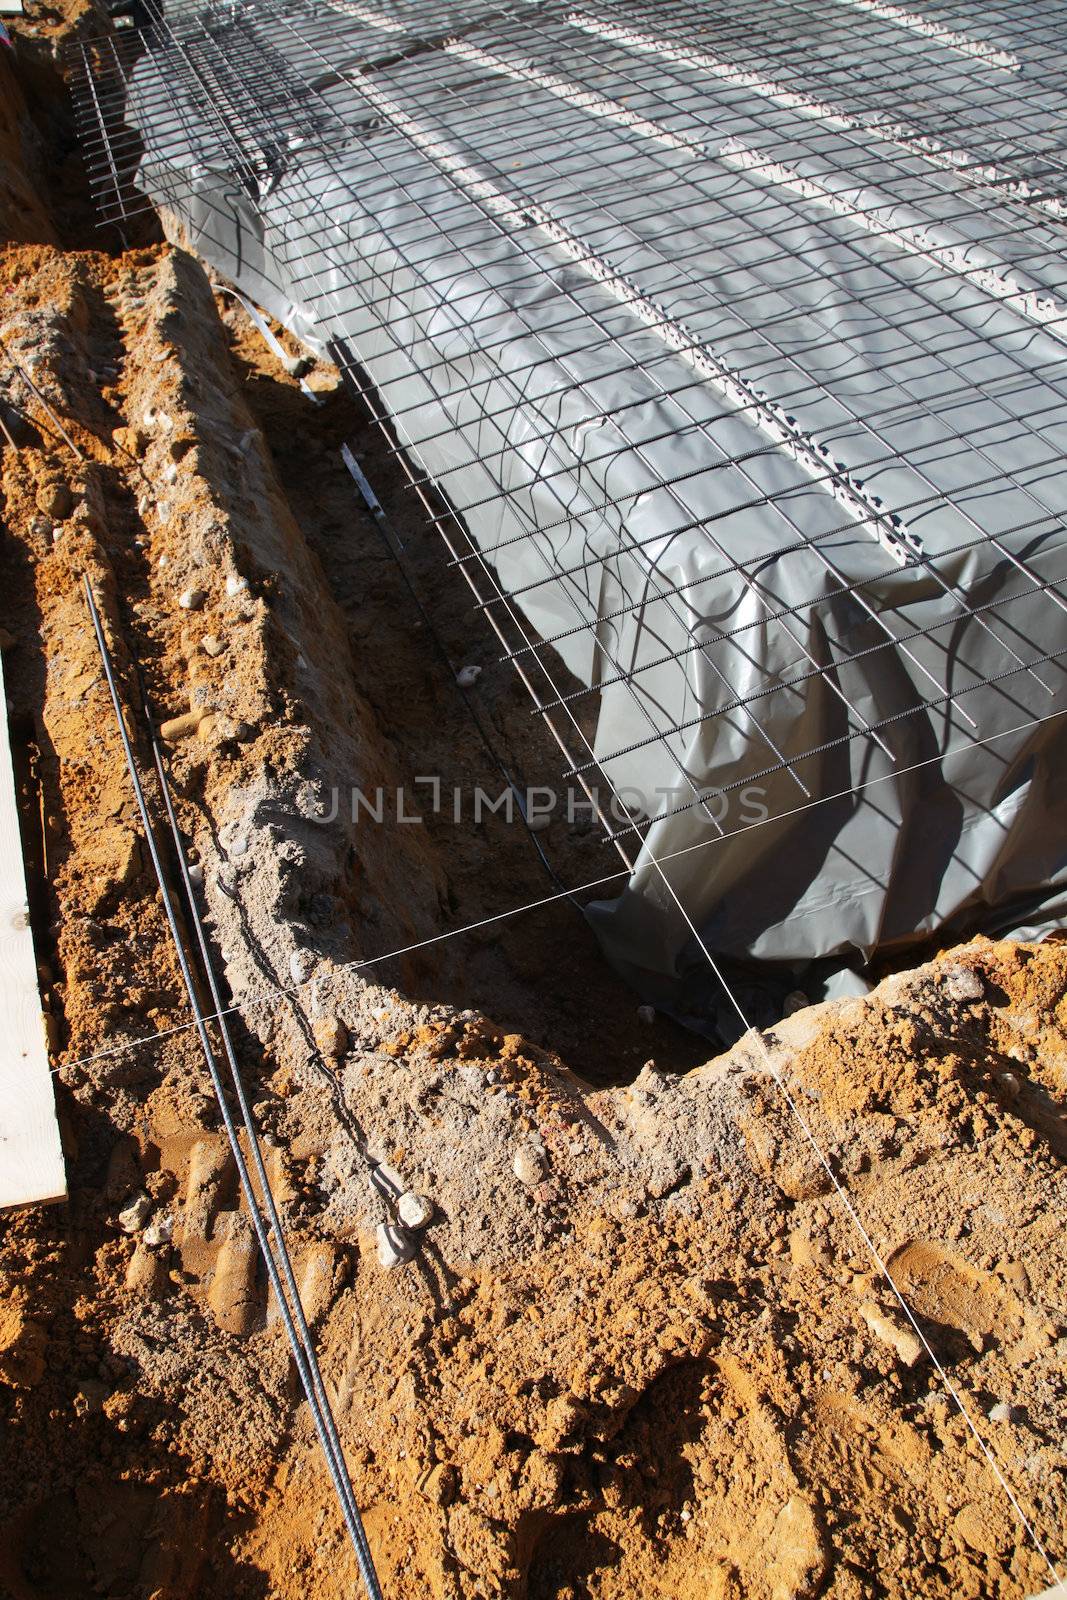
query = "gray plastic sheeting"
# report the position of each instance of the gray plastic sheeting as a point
(513, 344)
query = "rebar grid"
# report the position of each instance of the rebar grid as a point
(625, 104)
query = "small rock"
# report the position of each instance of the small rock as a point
(243, 732)
(131, 440)
(528, 1165)
(904, 1341)
(466, 676)
(796, 1552)
(212, 645)
(975, 1532)
(414, 1210)
(54, 500)
(176, 728)
(962, 984)
(191, 599)
(394, 1246)
(563, 1416)
(161, 1232)
(439, 1484)
(196, 875)
(23, 1346)
(90, 1397)
(235, 585)
(146, 1273)
(646, 1014)
(1003, 1412)
(331, 1036)
(300, 962)
(135, 1213)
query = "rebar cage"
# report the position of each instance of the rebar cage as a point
(726, 349)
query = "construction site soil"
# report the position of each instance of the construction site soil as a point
(645, 1346)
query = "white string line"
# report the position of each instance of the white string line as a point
(977, 49)
(267, 333)
(878, 127)
(284, 991)
(764, 414)
(921, 241)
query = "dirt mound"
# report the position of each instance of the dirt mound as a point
(642, 1347)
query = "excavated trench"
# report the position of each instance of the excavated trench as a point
(446, 753)
(540, 974)
(641, 1349)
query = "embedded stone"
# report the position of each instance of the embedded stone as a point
(414, 1210)
(528, 1165)
(135, 1214)
(182, 727)
(331, 1036)
(394, 1246)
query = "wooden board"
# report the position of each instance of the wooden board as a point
(31, 1158)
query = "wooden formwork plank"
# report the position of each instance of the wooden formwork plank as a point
(31, 1157)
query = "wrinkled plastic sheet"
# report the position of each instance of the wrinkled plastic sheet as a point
(569, 443)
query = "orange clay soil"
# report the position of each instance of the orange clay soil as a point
(642, 1349)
